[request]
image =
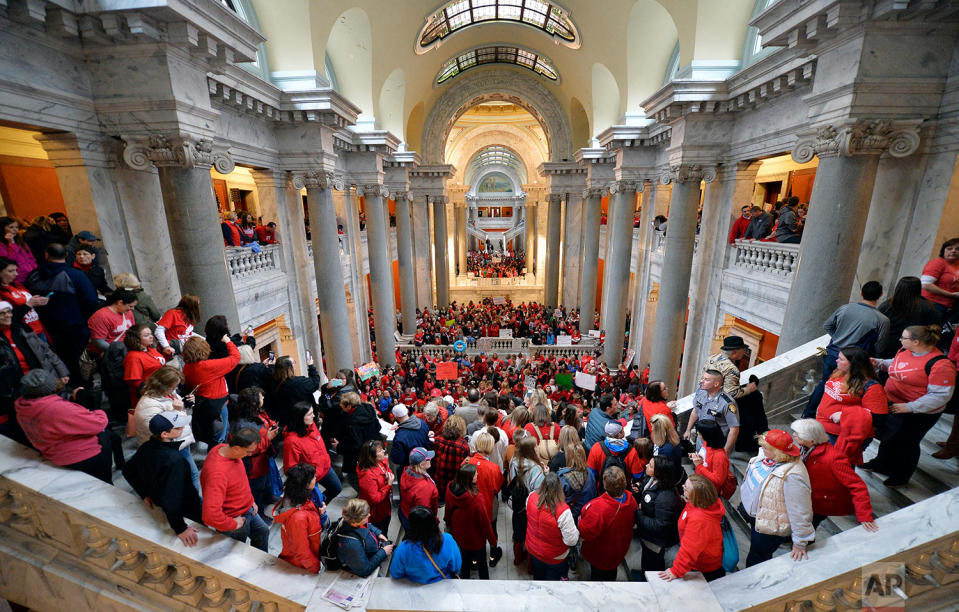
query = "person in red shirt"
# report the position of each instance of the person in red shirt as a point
(206, 378)
(249, 409)
(141, 359)
(266, 234)
(489, 475)
(852, 384)
(940, 277)
(302, 443)
(176, 325)
(921, 381)
(606, 526)
(22, 300)
(711, 461)
(416, 486)
(110, 323)
(700, 532)
(228, 504)
(468, 521)
(301, 519)
(950, 447)
(740, 224)
(652, 403)
(376, 483)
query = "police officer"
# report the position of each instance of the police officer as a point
(711, 403)
(733, 350)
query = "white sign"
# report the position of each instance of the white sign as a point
(594, 333)
(564, 340)
(586, 381)
(505, 333)
(499, 299)
(530, 382)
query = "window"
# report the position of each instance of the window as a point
(497, 55)
(495, 156)
(460, 14)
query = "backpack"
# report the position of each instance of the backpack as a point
(330, 545)
(639, 428)
(546, 448)
(612, 460)
(41, 286)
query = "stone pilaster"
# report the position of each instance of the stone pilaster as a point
(404, 259)
(572, 250)
(553, 254)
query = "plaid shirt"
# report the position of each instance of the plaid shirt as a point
(450, 455)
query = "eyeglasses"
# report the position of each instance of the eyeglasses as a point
(904, 338)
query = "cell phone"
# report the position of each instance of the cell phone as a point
(50, 295)
(272, 355)
(309, 355)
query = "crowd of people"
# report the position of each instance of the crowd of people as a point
(487, 264)
(783, 222)
(584, 471)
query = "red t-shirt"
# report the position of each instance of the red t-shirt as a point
(226, 490)
(834, 398)
(907, 375)
(108, 325)
(138, 365)
(18, 296)
(176, 325)
(947, 279)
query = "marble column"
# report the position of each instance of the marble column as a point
(587, 292)
(531, 238)
(838, 209)
(572, 247)
(183, 166)
(642, 284)
(460, 218)
(275, 193)
(727, 193)
(381, 274)
(677, 265)
(422, 256)
(331, 296)
(898, 182)
(404, 258)
(347, 208)
(553, 234)
(440, 251)
(620, 231)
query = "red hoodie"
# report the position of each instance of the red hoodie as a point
(418, 490)
(65, 433)
(606, 526)
(300, 529)
(375, 489)
(700, 539)
(306, 449)
(716, 469)
(468, 521)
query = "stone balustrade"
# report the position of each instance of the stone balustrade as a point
(506, 347)
(659, 242)
(766, 257)
(244, 262)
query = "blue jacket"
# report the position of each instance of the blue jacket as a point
(595, 427)
(410, 434)
(74, 299)
(410, 561)
(577, 498)
(359, 550)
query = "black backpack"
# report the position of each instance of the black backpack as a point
(330, 545)
(612, 460)
(639, 428)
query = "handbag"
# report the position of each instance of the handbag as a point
(430, 557)
(730, 547)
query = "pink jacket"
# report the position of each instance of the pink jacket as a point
(23, 258)
(63, 432)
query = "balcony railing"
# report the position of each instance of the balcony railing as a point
(505, 347)
(767, 257)
(244, 262)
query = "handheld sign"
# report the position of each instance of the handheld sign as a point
(586, 381)
(459, 346)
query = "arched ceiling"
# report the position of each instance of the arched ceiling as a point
(624, 48)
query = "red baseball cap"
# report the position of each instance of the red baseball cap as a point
(435, 392)
(779, 439)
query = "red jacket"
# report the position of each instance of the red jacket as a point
(700, 539)
(716, 469)
(300, 528)
(836, 488)
(739, 228)
(65, 433)
(418, 490)
(306, 449)
(606, 526)
(375, 489)
(260, 459)
(544, 540)
(855, 427)
(226, 490)
(468, 521)
(208, 375)
(489, 479)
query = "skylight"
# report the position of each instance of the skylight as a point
(497, 54)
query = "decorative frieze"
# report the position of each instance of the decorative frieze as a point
(859, 138)
(685, 173)
(318, 179)
(176, 151)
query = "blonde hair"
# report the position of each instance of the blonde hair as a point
(484, 443)
(568, 436)
(355, 511)
(774, 453)
(575, 457)
(702, 492)
(454, 428)
(663, 430)
(247, 356)
(126, 280)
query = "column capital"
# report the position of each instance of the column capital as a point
(373, 190)
(402, 195)
(593, 192)
(624, 185)
(177, 151)
(439, 199)
(685, 173)
(318, 179)
(555, 198)
(861, 137)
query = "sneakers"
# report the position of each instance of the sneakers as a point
(495, 555)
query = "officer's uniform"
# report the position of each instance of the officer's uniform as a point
(725, 366)
(721, 409)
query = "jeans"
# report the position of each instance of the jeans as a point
(828, 366)
(194, 472)
(762, 546)
(331, 485)
(225, 419)
(253, 528)
(261, 494)
(542, 570)
(600, 575)
(477, 559)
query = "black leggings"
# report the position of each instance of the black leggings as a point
(100, 465)
(477, 559)
(899, 453)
